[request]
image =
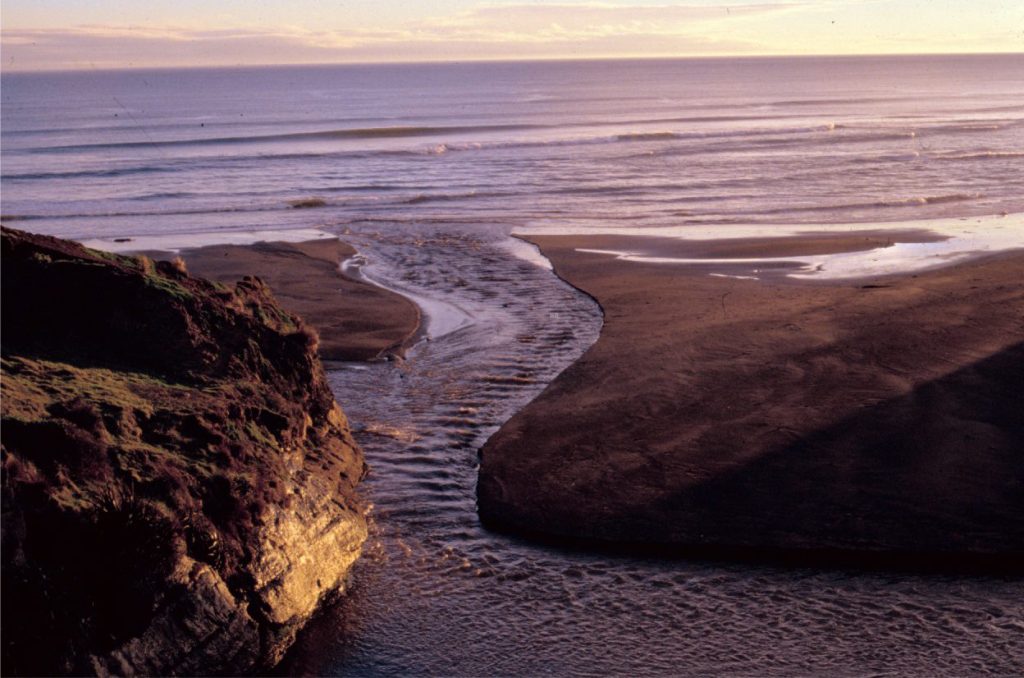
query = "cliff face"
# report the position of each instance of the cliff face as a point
(178, 482)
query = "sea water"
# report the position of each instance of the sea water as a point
(637, 143)
(427, 169)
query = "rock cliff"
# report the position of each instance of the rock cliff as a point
(178, 482)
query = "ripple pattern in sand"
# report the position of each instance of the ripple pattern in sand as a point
(437, 595)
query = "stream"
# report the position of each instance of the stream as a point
(436, 594)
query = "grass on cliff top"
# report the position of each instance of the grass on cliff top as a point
(168, 286)
(34, 390)
(146, 416)
(151, 274)
(30, 386)
(81, 432)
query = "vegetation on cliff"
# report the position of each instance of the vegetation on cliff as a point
(168, 444)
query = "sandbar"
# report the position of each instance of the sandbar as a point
(746, 414)
(355, 319)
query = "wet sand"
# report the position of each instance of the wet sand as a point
(858, 418)
(355, 320)
(740, 248)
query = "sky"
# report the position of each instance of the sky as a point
(75, 34)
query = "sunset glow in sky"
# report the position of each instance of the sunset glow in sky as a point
(58, 34)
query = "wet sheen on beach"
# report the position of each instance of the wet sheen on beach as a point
(438, 594)
(425, 170)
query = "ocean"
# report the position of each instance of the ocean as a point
(643, 143)
(426, 169)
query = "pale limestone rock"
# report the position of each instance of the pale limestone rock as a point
(306, 552)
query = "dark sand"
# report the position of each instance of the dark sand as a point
(880, 417)
(355, 320)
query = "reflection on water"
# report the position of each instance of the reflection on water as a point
(436, 594)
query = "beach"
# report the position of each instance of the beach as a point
(873, 415)
(355, 320)
(773, 398)
(730, 407)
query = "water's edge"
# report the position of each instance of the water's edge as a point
(437, 594)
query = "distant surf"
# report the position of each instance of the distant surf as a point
(426, 169)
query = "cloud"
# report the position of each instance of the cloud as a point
(490, 31)
(532, 23)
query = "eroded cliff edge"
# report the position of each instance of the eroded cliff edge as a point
(178, 481)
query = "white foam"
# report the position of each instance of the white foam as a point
(738, 277)
(440, 317)
(963, 238)
(526, 251)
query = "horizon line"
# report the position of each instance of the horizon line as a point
(554, 59)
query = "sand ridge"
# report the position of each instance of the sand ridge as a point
(877, 415)
(355, 319)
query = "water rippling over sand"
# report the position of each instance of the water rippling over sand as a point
(413, 160)
(438, 595)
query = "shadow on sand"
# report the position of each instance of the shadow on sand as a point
(932, 480)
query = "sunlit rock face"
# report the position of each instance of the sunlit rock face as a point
(178, 482)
